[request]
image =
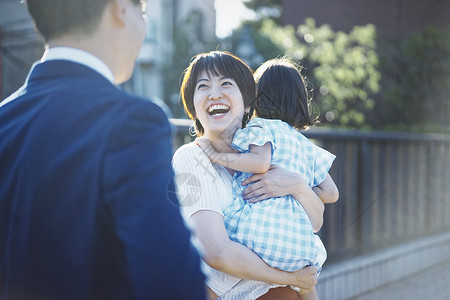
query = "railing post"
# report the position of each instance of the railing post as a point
(365, 194)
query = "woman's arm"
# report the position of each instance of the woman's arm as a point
(327, 190)
(278, 182)
(235, 259)
(255, 161)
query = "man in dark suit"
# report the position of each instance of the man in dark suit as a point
(85, 168)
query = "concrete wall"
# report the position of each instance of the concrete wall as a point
(358, 275)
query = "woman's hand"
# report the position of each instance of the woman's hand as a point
(276, 182)
(305, 279)
(236, 259)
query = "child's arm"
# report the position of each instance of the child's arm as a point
(256, 161)
(327, 190)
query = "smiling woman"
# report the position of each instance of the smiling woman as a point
(218, 104)
(217, 78)
(217, 90)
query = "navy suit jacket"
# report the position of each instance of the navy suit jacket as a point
(84, 210)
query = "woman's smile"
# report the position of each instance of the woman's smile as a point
(218, 103)
(218, 110)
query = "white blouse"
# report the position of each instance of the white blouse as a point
(202, 185)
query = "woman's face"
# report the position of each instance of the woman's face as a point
(219, 105)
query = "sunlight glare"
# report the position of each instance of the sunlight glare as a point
(229, 14)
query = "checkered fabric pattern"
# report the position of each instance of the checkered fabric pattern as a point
(278, 229)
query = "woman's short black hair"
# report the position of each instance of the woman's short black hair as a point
(282, 93)
(216, 63)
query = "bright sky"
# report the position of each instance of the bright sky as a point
(229, 14)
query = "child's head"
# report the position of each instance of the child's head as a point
(282, 93)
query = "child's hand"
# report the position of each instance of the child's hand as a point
(206, 146)
(214, 156)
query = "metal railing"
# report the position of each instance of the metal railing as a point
(394, 187)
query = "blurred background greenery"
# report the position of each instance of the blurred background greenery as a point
(358, 80)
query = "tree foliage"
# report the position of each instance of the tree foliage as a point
(356, 80)
(266, 9)
(342, 68)
(416, 81)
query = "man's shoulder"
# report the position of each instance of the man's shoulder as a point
(113, 99)
(101, 103)
(13, 96)
(142, 106)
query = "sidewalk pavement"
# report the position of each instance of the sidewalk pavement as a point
(430, 284)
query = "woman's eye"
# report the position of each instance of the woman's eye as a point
(227, 83)
(200, 86)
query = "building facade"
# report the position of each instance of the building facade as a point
(195, 19)
(392, 18)
(20, 46)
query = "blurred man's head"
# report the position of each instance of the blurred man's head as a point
(96, 26)
(54, 18)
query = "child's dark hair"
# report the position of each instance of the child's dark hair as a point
(282, 93)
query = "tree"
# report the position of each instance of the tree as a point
(416, 81)
(345, 71)
(265, 9)
(397, 85)
(342, 68)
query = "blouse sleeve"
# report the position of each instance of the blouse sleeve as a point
(195, 181)
(255, 133)
(322, 164)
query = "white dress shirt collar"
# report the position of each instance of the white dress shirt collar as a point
(80, 57)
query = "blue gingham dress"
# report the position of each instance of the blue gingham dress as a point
(278, 229)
